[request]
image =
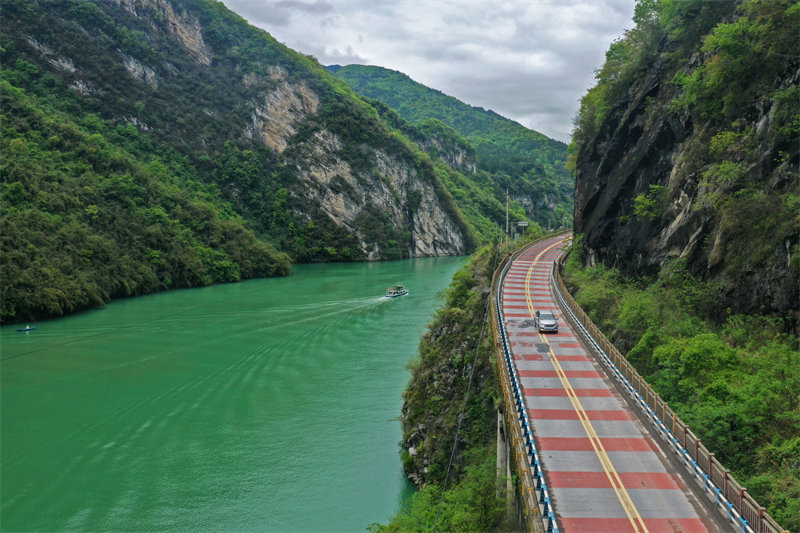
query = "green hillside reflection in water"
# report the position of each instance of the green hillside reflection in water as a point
(265, 405)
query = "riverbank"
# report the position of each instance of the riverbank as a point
(456, 360)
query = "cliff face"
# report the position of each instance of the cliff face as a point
(686, 168)
(626, 156)
(456, 157)
(294, 151)
(395, 192)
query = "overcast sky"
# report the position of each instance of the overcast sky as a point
(530, 61)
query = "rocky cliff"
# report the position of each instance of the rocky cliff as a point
(686, 152)
(292, 148)
(443, 375)
(442, 141)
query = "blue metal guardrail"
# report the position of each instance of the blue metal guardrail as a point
(540, 485)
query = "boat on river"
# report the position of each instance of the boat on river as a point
(395, 291)
(26, 329)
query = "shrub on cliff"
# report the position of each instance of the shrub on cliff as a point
(454, 360)
(471, 504)
(441, 374)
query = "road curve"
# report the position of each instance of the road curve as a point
(604, 471)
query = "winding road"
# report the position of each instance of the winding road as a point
(604, 470)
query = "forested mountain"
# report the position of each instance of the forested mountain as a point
(687, 215)
(506, 154)
(87, 214)
(166, 143)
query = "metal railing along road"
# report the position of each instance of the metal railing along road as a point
(735, 502)
(533, 492)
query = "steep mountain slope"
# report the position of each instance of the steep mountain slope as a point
(184, 95)
(530, 164)
(687, 150)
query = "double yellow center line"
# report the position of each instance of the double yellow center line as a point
(613, 477)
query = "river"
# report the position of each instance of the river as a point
(267, 405)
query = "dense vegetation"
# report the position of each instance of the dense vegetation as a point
(470, 504)
(84, 219)
(501, 144)
(736, 383)
(130, 163)
(508, 155)
(739, 61)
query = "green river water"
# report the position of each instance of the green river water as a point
(268, 405)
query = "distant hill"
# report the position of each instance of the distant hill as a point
(529, 163)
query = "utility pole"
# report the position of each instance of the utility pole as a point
(506, 214)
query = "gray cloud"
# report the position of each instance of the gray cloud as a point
(530, 61)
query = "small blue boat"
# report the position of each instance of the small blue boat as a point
(26, 329)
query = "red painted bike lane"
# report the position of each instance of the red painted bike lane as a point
(603, 470)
